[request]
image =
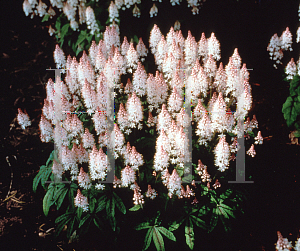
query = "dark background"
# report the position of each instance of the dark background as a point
(27, 51)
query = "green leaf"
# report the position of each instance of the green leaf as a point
(45, 18)
(58, 23)
(101, 204)
(289, 112)
(61, 225)
(79, 213)
(61, 198)
(174, 226)
(143, 225)
(199, 223)
(84, 220)
(37, 178)
(135, 208)
(158, 240)
(63, 217)
(98, 222)
(64, 30)
(213, 221)
(81, 37)
(167, 233)
(71, 228)
(92, 203)
(48, 200)
(189, 234)
(148, 239)
(51, 156)
(119, 203)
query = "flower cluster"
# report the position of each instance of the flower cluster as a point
(186, 67)
(23, 119)
(279, 44)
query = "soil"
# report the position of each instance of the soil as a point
(273, 205)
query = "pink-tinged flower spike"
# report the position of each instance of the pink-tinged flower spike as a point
(59, 57)
(100, 61)
(163, 141)
(141, 50)
(218, 116)
(213, 46)
(164, 119)
(51, 31)
(151, 193)
(136, 11)
(84, 179)
(57, 169)
(217, 184)
(151, 120)
(210, 67)
(155, 37)
(203, 47)
(113, 12)
(190, 49)
(135, 159)
(82, 154)
(91, 20)
(258, 139)
(88, 139)
(28, 8)
(291, 69)
(235, 146)
(81, 201)
(132, 58)
(211, 102)
(153, 11)
(117, 182)
(174, 102)
(161, 159)
(134, 111)
(275, 51)
(138, 198)
(68, 159)
(222, 154)
(120, 64)
(125, 46)
(177, 82)
(100, 121)
(286, 40)
(162, 88)
(283, 244)
(127, 176)
(199, 111)
(182, 119)
(23, 119)
(98, 164)
(236, 59)
(46, 130)
(111, 37)
(122, 118)
(202, 172)
(139, 80)
(119, 141)
(165, 176)
(174, 185)
(251, 152)
(51, 12)
(177, 25)
(69, 11)
(41, 9)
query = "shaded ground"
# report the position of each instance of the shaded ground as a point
(273, 204)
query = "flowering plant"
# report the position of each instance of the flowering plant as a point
(291, 107)
(145, 135)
